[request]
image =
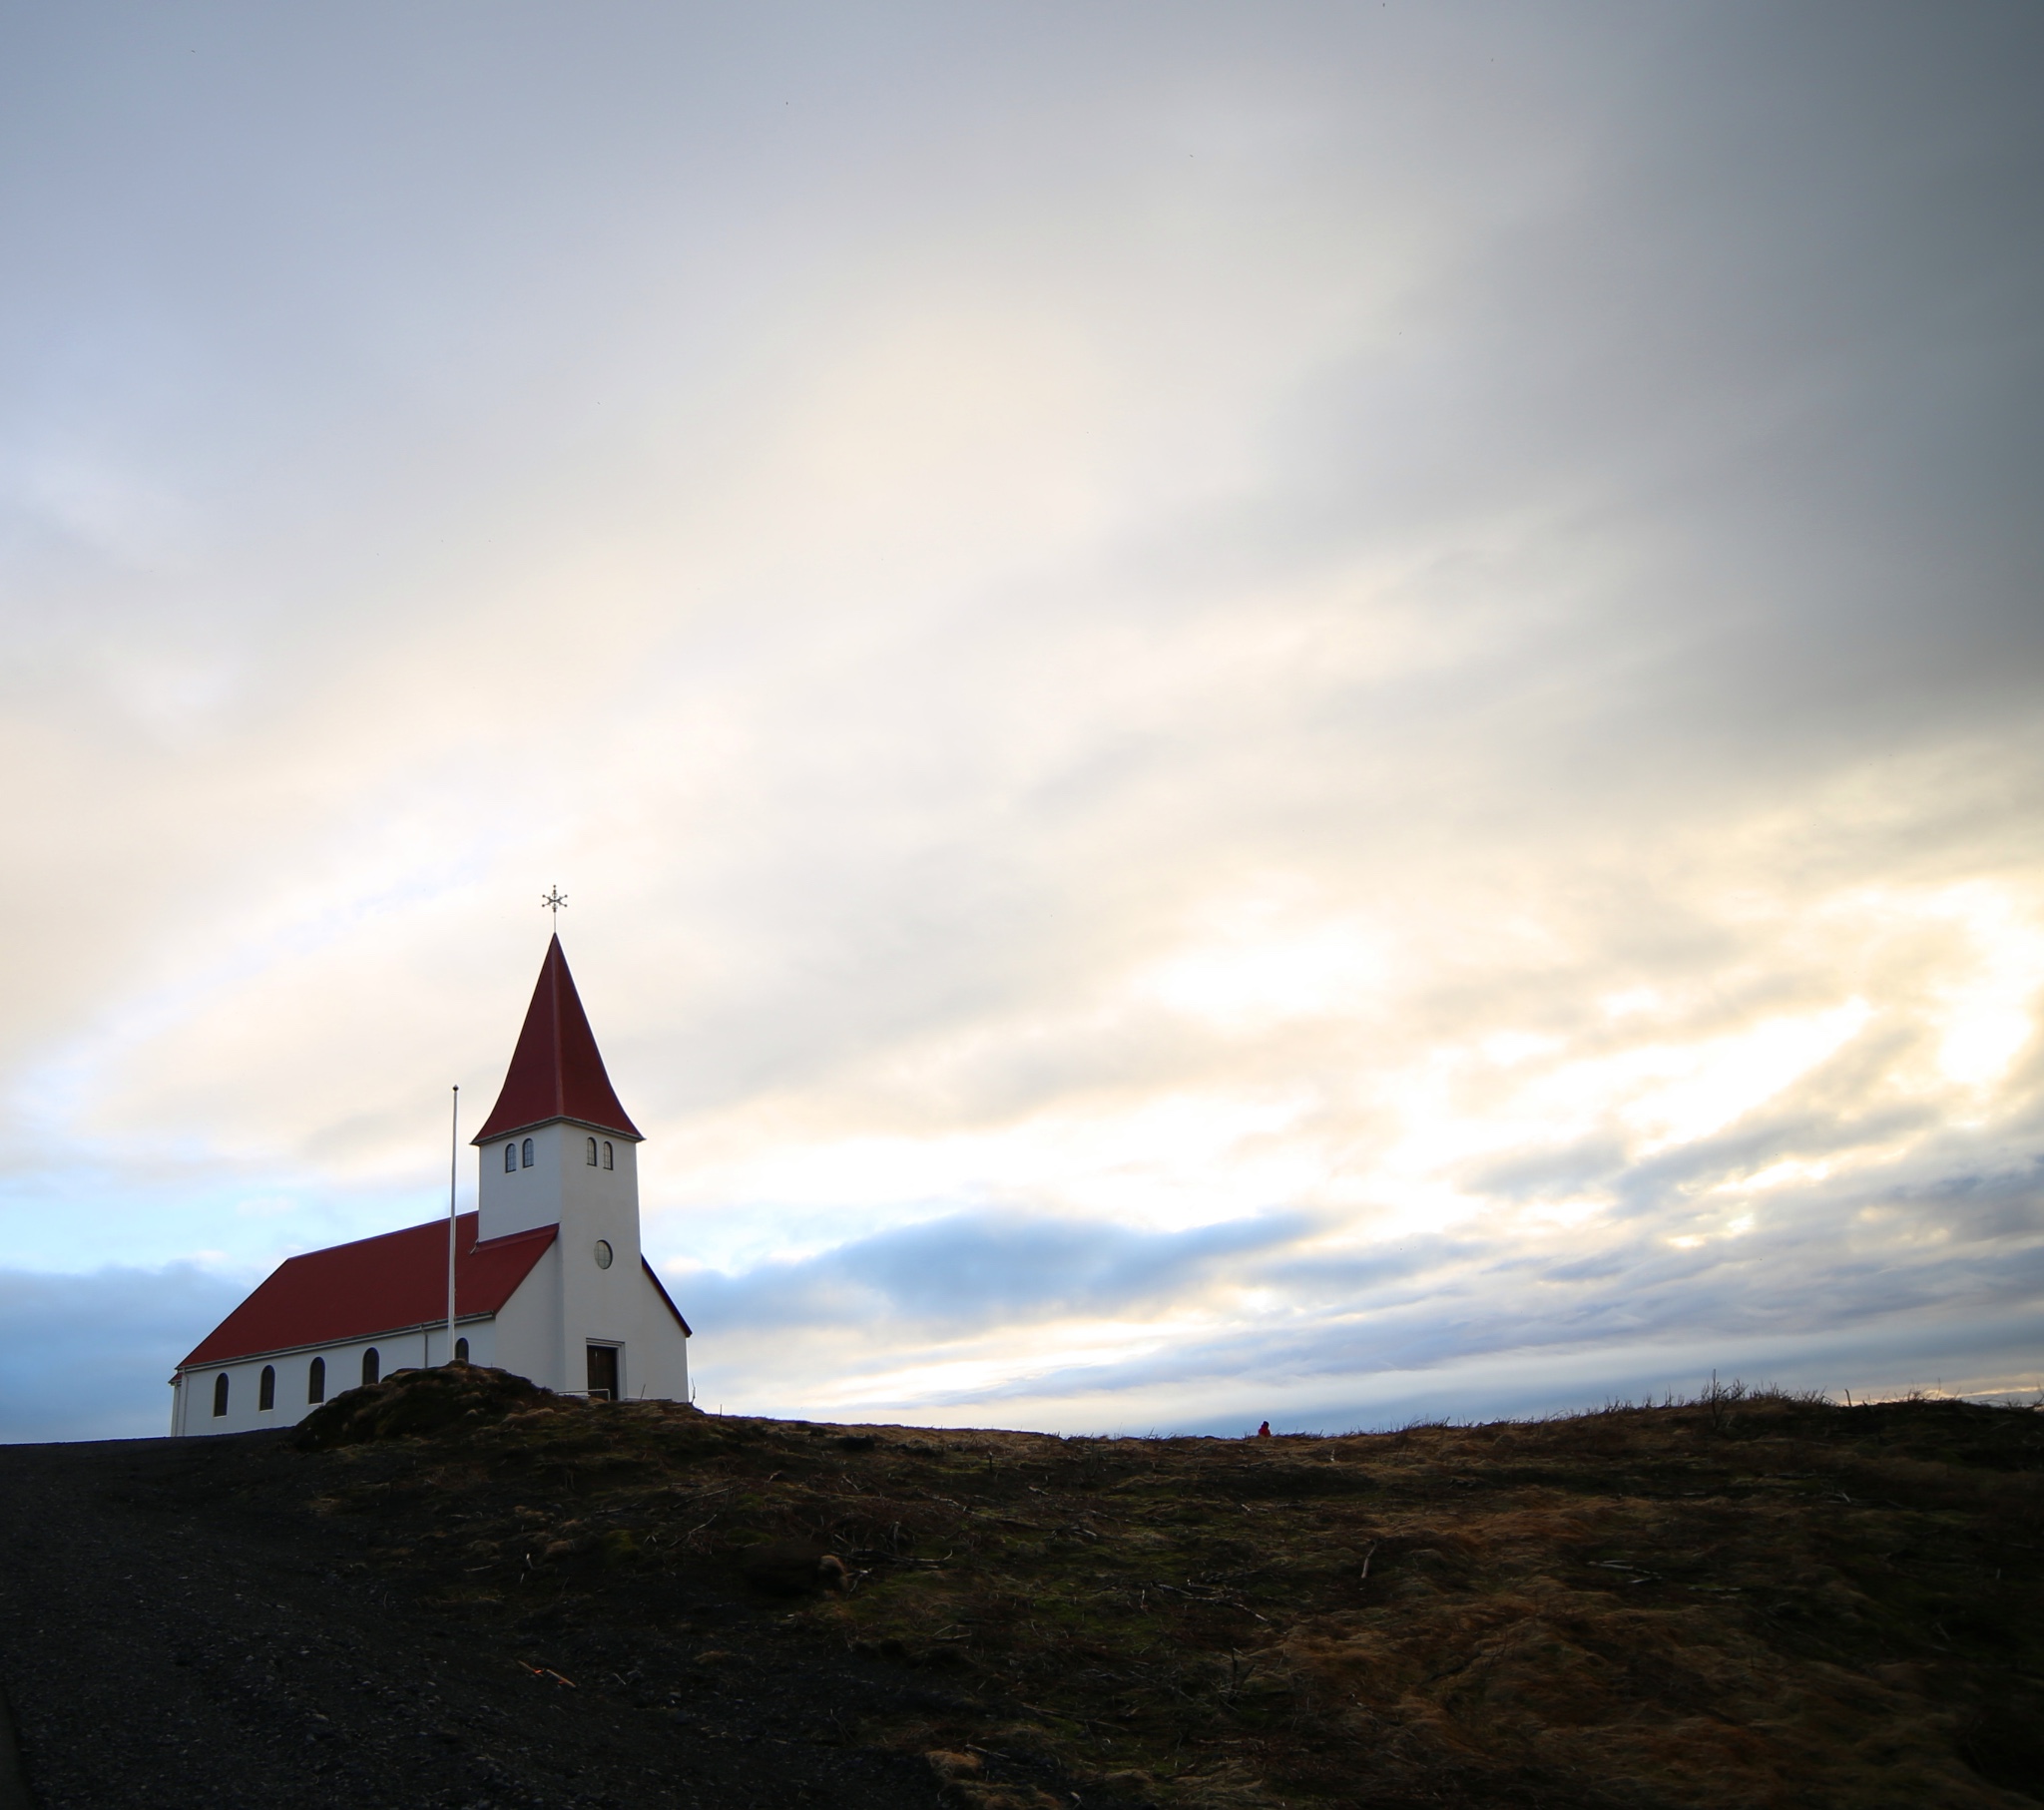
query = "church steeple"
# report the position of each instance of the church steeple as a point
(556, 1071)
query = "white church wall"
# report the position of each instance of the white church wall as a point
(414, 1348)
(244, 1387)
(481, 1336)
(659, 1370)
(571, 1300)
(528, 1331)
(601, 1282)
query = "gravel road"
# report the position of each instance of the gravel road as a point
(177, 1631)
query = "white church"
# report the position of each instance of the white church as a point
(549, 1280)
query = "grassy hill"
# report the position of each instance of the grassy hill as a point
(1753, 1599)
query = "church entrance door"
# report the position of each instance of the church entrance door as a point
(603, 1373)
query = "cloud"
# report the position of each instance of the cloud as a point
(88, 1355)
(1084, 1321)
(1312, 696)
(971, 1269)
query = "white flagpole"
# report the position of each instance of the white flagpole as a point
(453, 1165)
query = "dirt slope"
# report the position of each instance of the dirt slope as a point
(1750, 1602)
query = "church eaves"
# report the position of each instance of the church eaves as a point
(556, 1071)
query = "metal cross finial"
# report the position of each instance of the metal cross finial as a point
(553, 902)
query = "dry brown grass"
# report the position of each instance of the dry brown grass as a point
(1751, 1601)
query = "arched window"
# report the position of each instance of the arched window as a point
(461, 1351)
(220, 1394)
(607, 1161)
(266, 1390)
(372, 1366)
(316, 1381)
(592, 1153)
(526, 1153)
(510, 1157)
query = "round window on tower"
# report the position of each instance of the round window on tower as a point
(603, 1254)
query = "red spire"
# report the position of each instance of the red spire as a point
(556, 1071)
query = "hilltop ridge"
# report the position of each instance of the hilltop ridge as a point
(1753, 1599)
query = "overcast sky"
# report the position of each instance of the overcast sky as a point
(1317, 712)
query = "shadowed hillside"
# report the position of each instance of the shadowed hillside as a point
(1750, 1601)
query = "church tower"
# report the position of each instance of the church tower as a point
(558, 1150)
(566, 1150)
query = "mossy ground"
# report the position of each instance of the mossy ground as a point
(1751, 1600)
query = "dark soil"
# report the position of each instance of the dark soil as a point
(180, 1630)
(452, 1591)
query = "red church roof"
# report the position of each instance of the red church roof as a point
(392, 1283)
(556, 1071)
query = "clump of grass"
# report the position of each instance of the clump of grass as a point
(1755, 1598)
(419, 1401)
